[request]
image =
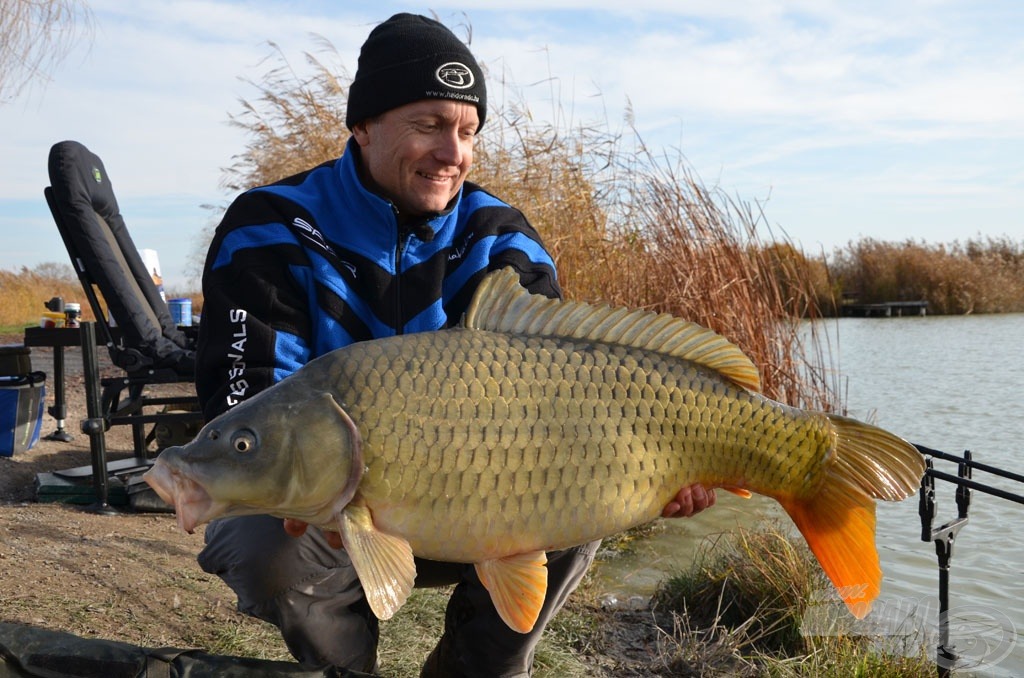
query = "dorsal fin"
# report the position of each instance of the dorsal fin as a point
(501, 304)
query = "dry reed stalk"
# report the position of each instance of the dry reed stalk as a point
(701, 257)
(296, 121)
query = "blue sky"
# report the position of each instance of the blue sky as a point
(889, 120)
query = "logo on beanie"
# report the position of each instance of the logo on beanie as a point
(455, 75)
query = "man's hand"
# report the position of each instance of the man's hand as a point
(297, 528)
(690, 501)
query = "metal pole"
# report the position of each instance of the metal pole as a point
(94, 425)
(944, 538)
(59, 410)
(945, 657)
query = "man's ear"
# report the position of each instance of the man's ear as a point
(361, 133)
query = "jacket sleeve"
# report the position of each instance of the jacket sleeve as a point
(521, 248)
(516, 244)
(250, 300)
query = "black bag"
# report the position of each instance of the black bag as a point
(27, 652)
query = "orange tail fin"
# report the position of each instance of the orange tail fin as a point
(838, 522)
(840, 529)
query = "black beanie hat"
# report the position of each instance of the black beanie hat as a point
(408, 58)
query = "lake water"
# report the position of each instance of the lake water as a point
(951, 384)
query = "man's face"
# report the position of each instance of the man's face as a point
(418, 155)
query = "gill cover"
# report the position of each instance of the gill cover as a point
(324, 447)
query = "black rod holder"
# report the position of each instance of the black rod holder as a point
(975, 485)
(944, 538)
(967, 459)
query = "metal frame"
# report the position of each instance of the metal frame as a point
(944, 536)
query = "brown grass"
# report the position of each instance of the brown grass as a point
(750, 603)
(24, 292)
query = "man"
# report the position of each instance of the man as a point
(389, 238)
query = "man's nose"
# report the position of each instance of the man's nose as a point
(449, 148)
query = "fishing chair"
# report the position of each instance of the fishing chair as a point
(132, 319)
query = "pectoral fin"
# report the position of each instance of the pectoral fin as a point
(517, 585)
(382, 561)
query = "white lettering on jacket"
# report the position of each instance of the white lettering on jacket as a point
(236, 354)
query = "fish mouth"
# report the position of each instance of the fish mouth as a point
(192, 503)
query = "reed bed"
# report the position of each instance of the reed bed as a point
(980, 275)
(25, 291)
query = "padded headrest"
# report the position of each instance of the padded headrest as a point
(81, 183)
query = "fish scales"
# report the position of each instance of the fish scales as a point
(537, 424)
(579, 428)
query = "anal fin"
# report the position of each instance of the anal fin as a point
(517, 585)
(383, 562)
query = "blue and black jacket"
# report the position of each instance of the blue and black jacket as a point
(316, 262)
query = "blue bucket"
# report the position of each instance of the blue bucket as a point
(181, 311)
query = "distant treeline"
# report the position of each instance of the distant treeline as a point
(976, 276)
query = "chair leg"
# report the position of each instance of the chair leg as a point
(139, 441)
(95, 424)
(136, 394)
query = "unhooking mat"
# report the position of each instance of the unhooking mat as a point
(31, 652)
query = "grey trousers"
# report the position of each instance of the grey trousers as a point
(310, 591)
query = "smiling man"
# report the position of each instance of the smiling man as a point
(388, 239)
(418, 154)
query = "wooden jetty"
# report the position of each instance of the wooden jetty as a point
(887, 309)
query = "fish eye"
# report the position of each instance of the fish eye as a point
(243, 441)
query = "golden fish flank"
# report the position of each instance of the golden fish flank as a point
(539, 424)
(596, 455)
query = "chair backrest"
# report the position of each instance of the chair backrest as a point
(82, 201)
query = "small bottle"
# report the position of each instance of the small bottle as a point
(72, 314)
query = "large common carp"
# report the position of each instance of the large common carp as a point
(536, 425)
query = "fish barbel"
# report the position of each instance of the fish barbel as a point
(536, 425)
